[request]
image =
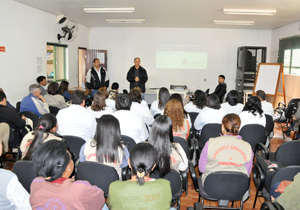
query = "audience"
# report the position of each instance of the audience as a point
(45, 131)
(267, 107)
(139, 109)
(181, 126)
(64, 90)
(99, 107)
(212, 114)
(131, 124)
(12, 119)
(34, 102)
(157, 106)
(148, 193)
(42, 81)
(227, 152)
(53, 98)
(170, 154)
(12, 193)
(53, 189)
(197, 102)
(106, 147)
(232, 104)
(8, 104)
(76, 120)
(252, 113)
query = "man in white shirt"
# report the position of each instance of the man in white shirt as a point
(267, 107)
(131, 124)
(76, 120)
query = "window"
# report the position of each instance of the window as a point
(56, 62)
(289, 55)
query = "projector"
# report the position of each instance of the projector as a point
(178, 87)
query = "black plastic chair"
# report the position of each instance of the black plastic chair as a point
(128, 142)
(193, 116)
(54, 110)
(97, 174)
(271, 206)
(269, 129)
(34, 117)
(223, 186)
(25, 172)
(74, 143)
(253, 134)
(155, 116)
(18, 106)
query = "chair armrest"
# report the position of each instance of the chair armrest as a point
(261, 148)
(197, 149)
(184, 177)
(126, 173)
(267, 206)
(191, 141)
(258, 177)
(278, 206)
(197, 206)
(194, 176)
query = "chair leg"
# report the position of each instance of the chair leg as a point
(255, 199)
(232, 204)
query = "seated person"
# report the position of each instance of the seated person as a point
(99, 107)
(106, 147)
(34, 102)
(288, 199)
(137, 107)
(64, 90)
(42, 81)
(157, 106)
(53, 98)
(227, 152)
(181, 125)
(170, 154)
(232, 104)
(220, 90)
(12, 193)
(252, 113)
(8, 104)
(53, 189)
(197, 102)
(76, 120)
(183, 102)
(112, 96)
(14, 122)
(267, 107)
(130, 195)
(212, 114)
(131, 124)
(45, 131)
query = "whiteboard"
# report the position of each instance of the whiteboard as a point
(266, 78)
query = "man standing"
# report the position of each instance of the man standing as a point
(221, 88)
(137, 75)
(43, 84)
(96, 77)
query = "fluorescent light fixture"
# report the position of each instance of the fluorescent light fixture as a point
(233, 22)
(109, 10)
(249, 12)
(125, 20)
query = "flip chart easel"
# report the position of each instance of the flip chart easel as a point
(270, 78)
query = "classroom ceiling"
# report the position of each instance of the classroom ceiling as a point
(174, 13)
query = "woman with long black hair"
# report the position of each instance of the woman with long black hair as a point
(157, 106)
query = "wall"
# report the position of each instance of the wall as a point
(123, 44)
(25, 32)
(291, 81)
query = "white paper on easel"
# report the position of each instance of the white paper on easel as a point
(267, 78)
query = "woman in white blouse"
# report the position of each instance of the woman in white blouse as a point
(157, 107)
(197, 103)
(99, 107)
(232, 105)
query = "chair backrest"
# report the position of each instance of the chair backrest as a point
(175, 181)
(288, 154)
(193, 116)
(208, 131)
(253, 134)
(183, 143)
(269, 124)
(225, 185)
(18, 106)
(97, 174)
(157, 115)
(74, 143)
(285, 173)
(34, 117)
(54, 110)
(291, 108)
(25, 172)
(128, 142)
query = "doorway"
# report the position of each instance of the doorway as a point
(81, 66)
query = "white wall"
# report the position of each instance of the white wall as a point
(123, 44)
(24, 31)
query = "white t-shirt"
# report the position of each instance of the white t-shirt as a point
(98, 114)
(248, 118)
(111, 103)
(190, 107)
(209, 115)
(142, 111)
(154, 108)
(267, 107)
(237, 109)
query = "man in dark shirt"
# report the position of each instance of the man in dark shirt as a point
(137, 75)
(221, 88)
